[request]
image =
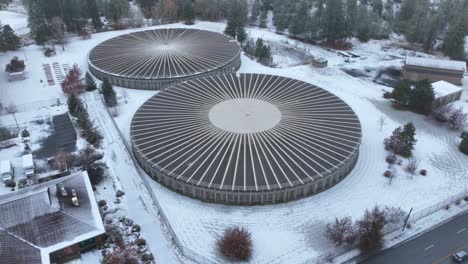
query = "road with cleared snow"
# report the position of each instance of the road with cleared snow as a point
(436, 246)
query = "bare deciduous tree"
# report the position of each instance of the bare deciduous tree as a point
(442, 113)
(412, 167)
(341, 231)
(59, 31)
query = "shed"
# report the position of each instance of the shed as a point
(446, 93)
(416, 69)
(319, 62)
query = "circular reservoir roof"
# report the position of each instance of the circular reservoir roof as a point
(163, 53)
(247, 132)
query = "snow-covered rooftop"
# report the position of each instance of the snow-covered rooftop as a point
(443, 88)
(436, 63)
(41, 220)
(5, 166)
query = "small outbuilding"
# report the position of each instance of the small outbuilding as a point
(417, 69)
(28, 165)
(319, 62)
(446, 93)
(16, 76)
(7, 172)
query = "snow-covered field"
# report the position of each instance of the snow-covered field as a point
(17, 21)
(283, 233)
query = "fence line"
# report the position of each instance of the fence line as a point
(188, 253)
(438, 206)
(36, 105)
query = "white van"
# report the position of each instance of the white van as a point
(28, 165)
(7, 172)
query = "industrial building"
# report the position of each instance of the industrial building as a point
(246, 139)
(417, 69)
(155, 59)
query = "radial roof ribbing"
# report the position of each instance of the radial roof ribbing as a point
(249, 132)
(164, 53)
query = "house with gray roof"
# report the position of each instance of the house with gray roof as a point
(42, 224)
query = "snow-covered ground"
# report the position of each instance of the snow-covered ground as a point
(283, 233)
(17, 21)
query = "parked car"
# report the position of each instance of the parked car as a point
(63, 190)
(460, 256)
(75, 198)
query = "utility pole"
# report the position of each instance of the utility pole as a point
(406, 220)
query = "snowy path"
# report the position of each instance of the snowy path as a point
(139, 207)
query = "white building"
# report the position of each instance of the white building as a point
(446, 93)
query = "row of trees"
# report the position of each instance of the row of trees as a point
(76, 109)
(367, 232)
(51, 19)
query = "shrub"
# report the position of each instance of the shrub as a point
(458, 119)
(136, 228)
(464, 143)
(447, 207)
(391, 159)
(119, 193)
(140, 242)
(457, 202)
(147, 257)
(442, 113)
(387, 95)
(102, 203)
(15, 65)
(10, 183)
(423, 172)
(466, 198)
(236, 243)
(49, 52)
(388, 174)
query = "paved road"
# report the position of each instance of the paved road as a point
(436, 246)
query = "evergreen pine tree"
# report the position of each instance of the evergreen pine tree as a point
(10, 40)
(263, 19)
(389, 12)
(454, 40)
(188, 12)
(464, 143)
(241, 35)
(255, 11)
(108, 93)
(72, 103)
(406, 12)
(93, 13)
(422, 97)
(335, 24)
(298, 26)
(414, 30)
(377, 7)
(402, 140)
(231, 28)
(90, 83)
(351, 16)
(401, 92)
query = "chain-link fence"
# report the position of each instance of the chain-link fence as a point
(438, 206)
(32, 106)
